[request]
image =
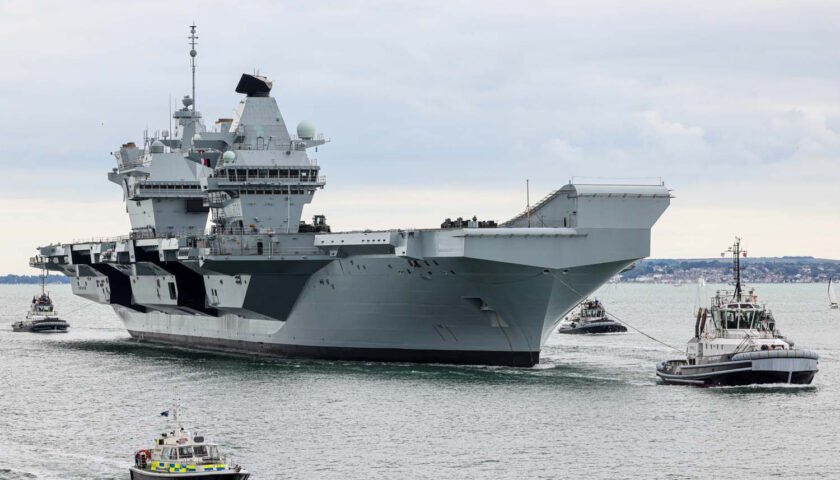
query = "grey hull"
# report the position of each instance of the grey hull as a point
(138, 474)
(484, 313)
(789, 366)
(596, 327)
(59, 326)
(462, 357)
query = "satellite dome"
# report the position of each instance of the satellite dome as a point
(157, 147)
(196, 137)
(306, 130)
(229, 156)
(187, 101)
(164, 133)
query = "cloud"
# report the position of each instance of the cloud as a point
(718, 99)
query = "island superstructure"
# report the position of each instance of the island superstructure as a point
(262, 281)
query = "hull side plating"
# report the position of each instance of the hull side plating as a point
(376, 309)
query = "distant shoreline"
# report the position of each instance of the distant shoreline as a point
(32, 279)
(660, 270)
(719, 270)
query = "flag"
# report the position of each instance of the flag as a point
(164, 414)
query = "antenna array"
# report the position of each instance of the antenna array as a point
(193, 37)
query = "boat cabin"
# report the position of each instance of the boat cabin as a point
(592, 310)
(179, 451)
(195, 453)
(41, 308)
(734, 324)
(731, 313)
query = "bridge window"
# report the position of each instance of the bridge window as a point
(747, 319)
(185, 452)
(731, 321)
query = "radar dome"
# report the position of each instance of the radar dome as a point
(157, 147)
(229, 156)
(187, 101)
(306, 130)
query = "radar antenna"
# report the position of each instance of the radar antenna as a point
(193, 37)
(736, 252)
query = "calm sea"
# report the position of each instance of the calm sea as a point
(77, 405)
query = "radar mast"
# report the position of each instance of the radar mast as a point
(193, 37)
(736, 252)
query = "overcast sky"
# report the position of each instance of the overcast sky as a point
(443, 108)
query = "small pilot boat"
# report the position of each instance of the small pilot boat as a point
(180, 454)
(591, 318)
(42, 316)
(736, 343)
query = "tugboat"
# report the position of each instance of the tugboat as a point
(184, 455)
(736, 343)
(591, 318)
(42, 316)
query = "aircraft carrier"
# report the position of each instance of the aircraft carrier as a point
(261, 281)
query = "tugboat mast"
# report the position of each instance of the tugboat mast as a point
(736, 251)
(43, 281)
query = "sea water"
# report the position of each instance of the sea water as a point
(78, 405)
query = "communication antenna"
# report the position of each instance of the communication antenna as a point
(193, 37)
(736, 252)
(170, 119)
(528, 200)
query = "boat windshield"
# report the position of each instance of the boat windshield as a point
(183, 453)
(750, 319)
(207, 451)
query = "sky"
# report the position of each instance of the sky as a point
(442, 109)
